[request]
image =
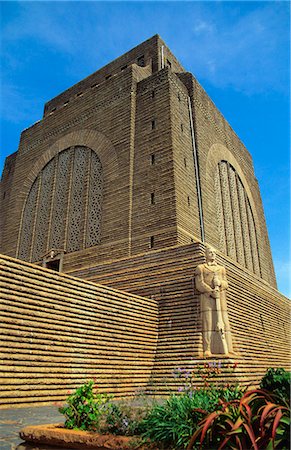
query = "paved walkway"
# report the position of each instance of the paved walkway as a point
(12, 420)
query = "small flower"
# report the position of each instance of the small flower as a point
(235, 365)
(219, 364)
(125, 422)
(69, 392)
(180, 389)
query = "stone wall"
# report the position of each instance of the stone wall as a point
(259, 314)
(58, 331)
(100, 120)
(132, 331)
(149, 54)
(216, 141)
(135, 117)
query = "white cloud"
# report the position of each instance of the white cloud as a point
(202, 26)
(225, 45)
(248, 53)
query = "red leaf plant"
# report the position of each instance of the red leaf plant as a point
(255, 422)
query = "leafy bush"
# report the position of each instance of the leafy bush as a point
(84, 409)
(277, 381)
(123, 419)
(172, 423)
(253, 422)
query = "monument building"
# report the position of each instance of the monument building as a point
(125, 179)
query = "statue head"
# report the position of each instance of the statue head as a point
(210, 254)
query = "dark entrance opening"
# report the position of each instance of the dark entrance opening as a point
(53, 265)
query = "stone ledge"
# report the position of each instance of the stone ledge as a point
(56, 435)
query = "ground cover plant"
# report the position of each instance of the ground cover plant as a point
(172, 423)
(206, 417)
(93, 411)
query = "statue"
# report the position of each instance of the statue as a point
(211, 282)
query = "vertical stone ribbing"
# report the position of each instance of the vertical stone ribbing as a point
(93, 234)
(27, 223)
(227, 210)
(43, 211)
(219, 213)
(235, 221)
(253, 240)
(236, 216)
(245, 226)
(76, 213)
(60, 204)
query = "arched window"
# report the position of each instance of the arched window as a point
(63, 207)
(235, 220)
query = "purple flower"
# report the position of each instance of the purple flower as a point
(180, 389)
(219, 364)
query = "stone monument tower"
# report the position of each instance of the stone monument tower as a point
(123, 182)
(134, 157)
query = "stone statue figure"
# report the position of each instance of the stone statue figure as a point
(211, 282)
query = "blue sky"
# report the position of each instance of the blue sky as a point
(239, 52)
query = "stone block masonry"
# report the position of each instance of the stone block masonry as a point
(259, 315)
(168, 170)
(126, 175)
(132, 330)
(58, 331)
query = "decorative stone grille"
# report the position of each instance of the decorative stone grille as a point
(237, 229)
(63, 207)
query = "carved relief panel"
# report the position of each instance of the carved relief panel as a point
(235, 219)
(63, 207)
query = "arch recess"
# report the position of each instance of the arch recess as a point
(62, 195)
(236, 216)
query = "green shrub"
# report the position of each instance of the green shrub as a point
(277, 381)
(172, 423)
(84, 409)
